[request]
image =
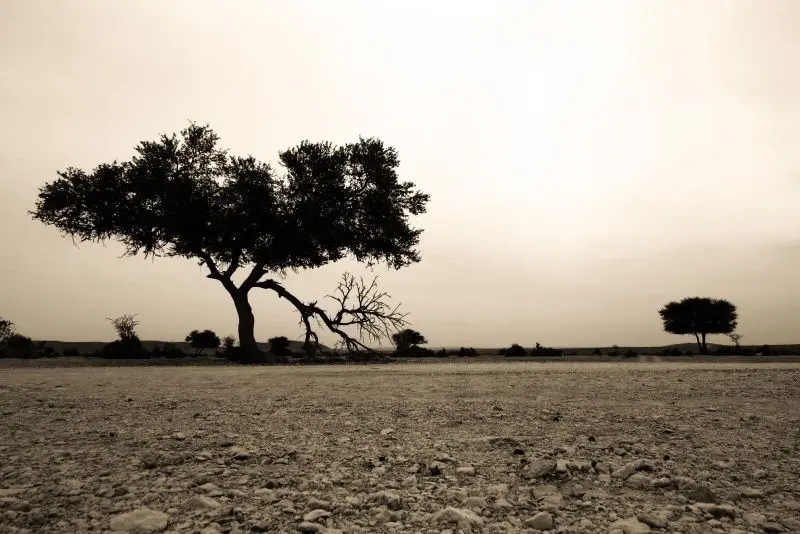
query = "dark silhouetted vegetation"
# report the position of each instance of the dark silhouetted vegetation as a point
(128, 346)
(279, 346)
(539, 350)
(514, 350)
(407, 341)
(467, 352)
(699, 316)
(201, 340)
(182, 195)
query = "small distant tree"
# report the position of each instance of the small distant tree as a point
(614, 351)
(699, 316)
(200, 341)
(737, 339)
(515, 350)
(406, 339)
(20, 346)
(228, 343)
(6, 330)
(279, 346)
(125, 326)
(128, 345)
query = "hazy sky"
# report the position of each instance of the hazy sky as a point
(587, 161)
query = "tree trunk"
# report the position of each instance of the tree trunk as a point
(250, 353)
(705, 347)
(699, 344)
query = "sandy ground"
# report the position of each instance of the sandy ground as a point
(473, 447)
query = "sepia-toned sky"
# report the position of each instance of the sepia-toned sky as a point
(587, 161)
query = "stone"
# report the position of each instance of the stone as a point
(540, 521)
(313, 515)
(140, 521)
(630, 526)
(702, 493)
(310, 528)
(200, 502)
(653, 520)
(466, 470)
(540, 468)
(638, 481)
(630, 468)
(460, 517)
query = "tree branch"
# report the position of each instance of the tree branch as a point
(360, 305)
(215, 273)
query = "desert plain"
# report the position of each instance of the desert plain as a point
(618, 447)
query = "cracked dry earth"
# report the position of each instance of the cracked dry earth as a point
(615, 448)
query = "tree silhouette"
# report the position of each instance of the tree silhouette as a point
(737, 341)
(699, 316)
(6, 330)
(125, 326)
(407, 338)
(207, 339)
(183, 196)
(279, 345)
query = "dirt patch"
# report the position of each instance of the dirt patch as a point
(480, 447)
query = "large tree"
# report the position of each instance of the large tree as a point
(699, 316)
(184, 196)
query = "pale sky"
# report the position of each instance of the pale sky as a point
(587, 161)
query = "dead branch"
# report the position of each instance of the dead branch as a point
(360, 306)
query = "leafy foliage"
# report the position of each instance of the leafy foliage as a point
(184, 196)
(228, 343)
(6, 330)
(279, 346)
(539, 350)
(699, 316)
(515, 350)
(201, 340)
(407, 339)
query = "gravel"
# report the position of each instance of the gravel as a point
(430, 448)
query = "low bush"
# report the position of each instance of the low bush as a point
(515, 350)
(539, 350)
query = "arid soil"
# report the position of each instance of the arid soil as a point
(468, 447)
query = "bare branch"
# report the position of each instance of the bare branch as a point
(360, 306)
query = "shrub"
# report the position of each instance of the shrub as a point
(279, 346)
(442, 353)
(72, 351)
(515, 350)
(614, 351)
(597, 352)
(124, 349)
(630, 354)
(200, 341)
(415, 351)
(19, 346)
(228, 342)
(539, 350)
(467, 352)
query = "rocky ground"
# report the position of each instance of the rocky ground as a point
(437, 448)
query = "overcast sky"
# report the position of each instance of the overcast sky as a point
(587, 161)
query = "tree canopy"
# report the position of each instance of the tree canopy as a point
(407, 338)
(201, 340)
(184, 196)
(699, 316)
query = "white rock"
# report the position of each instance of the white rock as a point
(200, 502)
(630, 526)
(462, 518)
(140, 521)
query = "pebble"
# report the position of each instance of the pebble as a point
(140, 521)
(630, 526)
(540, 521)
